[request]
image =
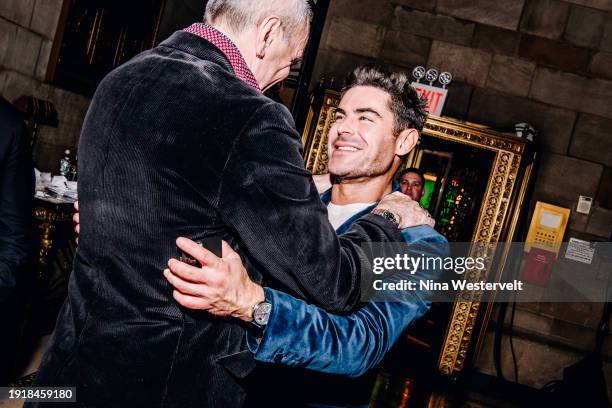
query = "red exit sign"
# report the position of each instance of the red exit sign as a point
(436, 97)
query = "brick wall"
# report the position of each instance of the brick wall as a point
(27, 30)
(547, 62)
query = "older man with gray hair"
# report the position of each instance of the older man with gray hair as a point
(181, 142)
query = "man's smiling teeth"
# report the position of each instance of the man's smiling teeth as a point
(347, 148)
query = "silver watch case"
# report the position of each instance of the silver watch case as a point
(261, 313)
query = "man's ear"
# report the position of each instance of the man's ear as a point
(405, 142)
(268, 31)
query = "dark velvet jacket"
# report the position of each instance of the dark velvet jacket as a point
(175, 145)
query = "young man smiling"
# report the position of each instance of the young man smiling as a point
(376, 124)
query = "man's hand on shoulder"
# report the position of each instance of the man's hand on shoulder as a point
(407, 212)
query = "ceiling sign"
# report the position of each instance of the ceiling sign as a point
(435, 95)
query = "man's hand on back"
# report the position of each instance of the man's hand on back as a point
(221, 287)
(407, 211)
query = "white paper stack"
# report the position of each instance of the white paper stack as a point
(56, 189)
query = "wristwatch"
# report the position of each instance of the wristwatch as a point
(387, 215)
(261, 314)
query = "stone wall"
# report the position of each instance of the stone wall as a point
(179, 14)
(27, 30)
(546, 62)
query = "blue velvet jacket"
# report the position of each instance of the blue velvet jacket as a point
(305, 336)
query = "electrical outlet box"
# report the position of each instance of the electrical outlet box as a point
(547, 227)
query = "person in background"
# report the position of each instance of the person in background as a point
(16, 228)
(412, 183)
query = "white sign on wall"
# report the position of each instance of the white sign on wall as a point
(580, 251)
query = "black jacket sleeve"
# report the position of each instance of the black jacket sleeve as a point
(16, 198)
(270, 200)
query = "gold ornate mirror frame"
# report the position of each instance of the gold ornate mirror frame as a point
(497, 220)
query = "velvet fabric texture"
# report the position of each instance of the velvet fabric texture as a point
(304, 336)
(175, 145)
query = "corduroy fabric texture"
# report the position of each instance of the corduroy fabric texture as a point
(174, 144)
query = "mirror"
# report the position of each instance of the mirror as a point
(455, 181)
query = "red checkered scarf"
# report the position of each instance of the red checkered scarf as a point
(221, 41)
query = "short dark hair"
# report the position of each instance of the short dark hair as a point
(407, 106)
(414, 170)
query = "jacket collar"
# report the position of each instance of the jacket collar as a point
(326, 199)
(198, 47)
(229, 49)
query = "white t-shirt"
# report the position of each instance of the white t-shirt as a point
(339, 214)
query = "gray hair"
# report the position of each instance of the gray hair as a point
(238, 14)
